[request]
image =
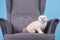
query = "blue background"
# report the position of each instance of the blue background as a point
(57, 33)
(52, 10)
(1, 35)
(3, 14)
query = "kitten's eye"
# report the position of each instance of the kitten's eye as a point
(41, 17)
(44, 17)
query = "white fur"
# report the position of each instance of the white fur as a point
(37, 25)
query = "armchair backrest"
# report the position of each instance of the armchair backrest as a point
(22, 12)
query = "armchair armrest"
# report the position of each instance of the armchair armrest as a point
(5, 26)
(51, 26)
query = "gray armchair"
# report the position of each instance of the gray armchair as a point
(20, 13)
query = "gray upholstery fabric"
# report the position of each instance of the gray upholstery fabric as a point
(29, 36)
(40, 6)
(39, 3)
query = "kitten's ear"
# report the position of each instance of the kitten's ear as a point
(46, 18)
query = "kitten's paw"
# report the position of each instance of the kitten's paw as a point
(33, 31)
(41, 33)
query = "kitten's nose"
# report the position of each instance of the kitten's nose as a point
(42, 19)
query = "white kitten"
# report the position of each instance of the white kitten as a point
(37, 25)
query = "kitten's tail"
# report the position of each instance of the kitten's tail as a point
(25, 30)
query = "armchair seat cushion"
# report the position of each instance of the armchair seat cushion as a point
(29, 36)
